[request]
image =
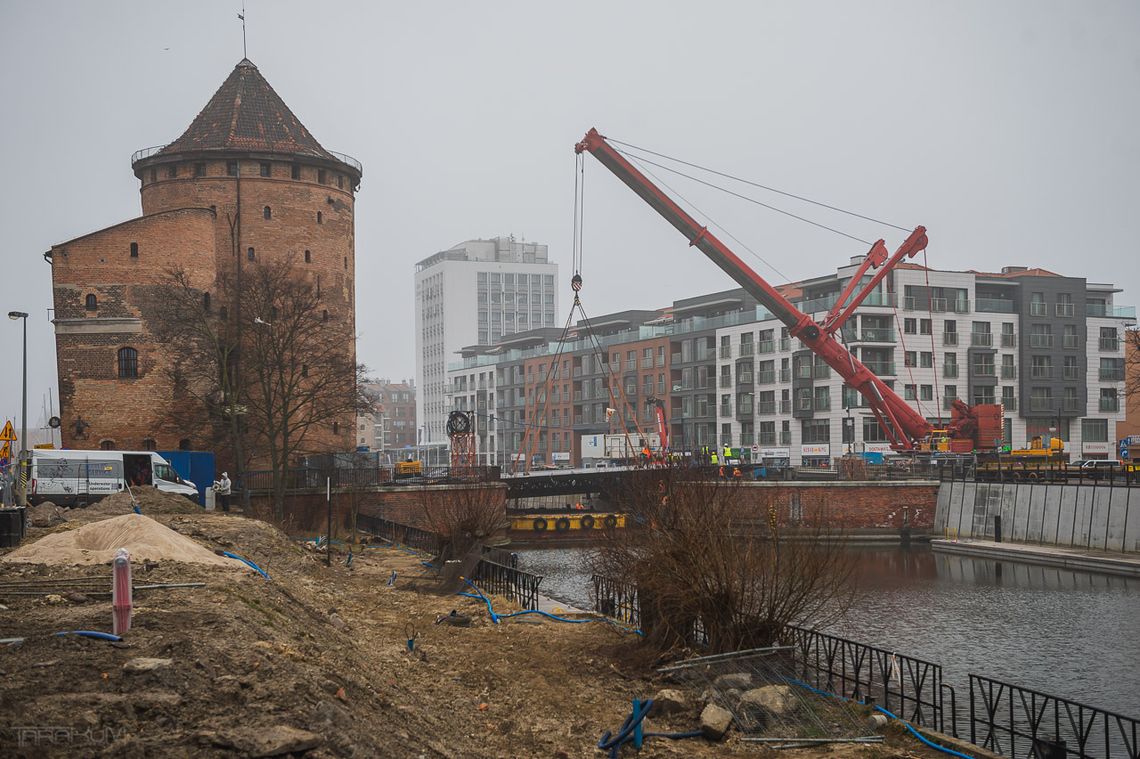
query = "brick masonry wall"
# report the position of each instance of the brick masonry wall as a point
(847, 506)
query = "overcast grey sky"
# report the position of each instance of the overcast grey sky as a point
(1008, 129)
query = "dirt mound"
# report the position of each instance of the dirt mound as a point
(150, 500)
(97, 543)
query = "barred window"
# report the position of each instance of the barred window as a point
(128, 363)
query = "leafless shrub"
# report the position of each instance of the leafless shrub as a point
(717, 556)
(464, 516)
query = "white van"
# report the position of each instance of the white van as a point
(77, 478)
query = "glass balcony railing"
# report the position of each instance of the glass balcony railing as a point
(1040, 341)
(1009, 372)
(1116, 312)
(1038, 309)
(1109, 405)
(949, 338)
(1112, 375)
(950, 371)
(981, 338)
(765, 378)
(1008, 340)
(993, 305)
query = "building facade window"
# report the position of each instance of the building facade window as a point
(184, 444)
(267, 213)
(321, 176)
(250, 255)
(266, 169)
(106, 445)
(128, 363)
(172, 171)
(134, 250)
(200, 169)
(232, 168)
(149, 444)
(91, 303)
(205, 301)
(295, 171)
(320, 218)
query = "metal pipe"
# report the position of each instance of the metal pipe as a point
(730, 656)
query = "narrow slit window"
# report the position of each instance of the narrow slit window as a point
(295, 170)
(232, 168)
(250, 254)
(172, 171)
(200, 169)
(308, 257)
(205, 301)
(321, 176)
(267, 212)
(325, 315)
(134, 250)
(320, 218)
(265, 168)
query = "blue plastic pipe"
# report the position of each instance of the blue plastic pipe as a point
(247, 562)
(90, 634)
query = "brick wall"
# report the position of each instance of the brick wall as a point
(847, 506)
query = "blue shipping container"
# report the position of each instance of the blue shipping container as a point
(195, 466)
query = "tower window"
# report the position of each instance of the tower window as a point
(308, 257)
(92, 302)
(267, 212)
(154, 175)
(336, 428)
(223, 313)
(320, 218)
(205, 301)
(318, 285)
(149, 444)
(134, 250)
(200, 169)
(106, 445)
(250, 254)
(325, 315)
(295, 170)
(346, 263)
(232, 168)
(304, 370)
(321, 175)
(265, 168)
(172, 171)
(184, 444)
(340, 181)
(128, 363)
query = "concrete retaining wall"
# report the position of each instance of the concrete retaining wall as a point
(1076, 516)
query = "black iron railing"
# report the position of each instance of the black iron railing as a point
(500, 556)
(509, 582)
(910, 688)
(617, 599)
(1014, 721)
(339, 478)
(403, 534)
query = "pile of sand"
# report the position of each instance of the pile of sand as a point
(96, 543)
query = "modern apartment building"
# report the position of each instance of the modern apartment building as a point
(1048, 347)
(475, 293)
(392, 427)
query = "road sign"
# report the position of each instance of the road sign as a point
(1123, 453)
(755, 450)
(6, 450)
(8, 433)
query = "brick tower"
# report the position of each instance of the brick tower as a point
(245, 183)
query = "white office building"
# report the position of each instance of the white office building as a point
(475, 293)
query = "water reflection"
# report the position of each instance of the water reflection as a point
(1070, 633)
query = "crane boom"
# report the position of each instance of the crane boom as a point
(902, 424)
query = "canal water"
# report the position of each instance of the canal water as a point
(1071, 634)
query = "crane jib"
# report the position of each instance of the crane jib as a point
(902, 424)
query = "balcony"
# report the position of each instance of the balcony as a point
(1038, 309)
(1040, 341)
(984, 370)
(745, 379)
(1041, 372)
(1009, 372)
(785, 437)
(765, 407)
(1109, 405)
(1070, 342)
(765, 378)
(746, 438)
(803, 372)
(785, 344)
(878, 335)
(881, 368)
(1109, 344)
(785, 407)
(1041, 404)
(982, 338)
(1072, 405)
(726, 409)
(1009, 402)
(744, 408)
(767, 346)
(1071, 373)
(1112, 375)
(1115, 312)
(747, 349)
(950, 371)
(994, 306)
(785, 375)
(822, 371)
(767, 438)
(726, 351)
(949, 338)
(1008, 340)
(1065, 309)
(725, 381)
(822, 403)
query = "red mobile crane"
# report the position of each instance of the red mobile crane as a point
(903, 425)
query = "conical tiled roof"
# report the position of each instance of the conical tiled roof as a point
(245, 114)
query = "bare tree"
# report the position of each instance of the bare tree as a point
(274, 390)
(1132, 363)
(299, 378)
(713, 556)
(466, 516)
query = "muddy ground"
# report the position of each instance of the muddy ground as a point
(314, 662)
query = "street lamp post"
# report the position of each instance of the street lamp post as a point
(14, 315)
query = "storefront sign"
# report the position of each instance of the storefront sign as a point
(878, 448)
(815, 450)
(775, 453)
(1096, 447)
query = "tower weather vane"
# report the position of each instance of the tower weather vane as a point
(244, 52)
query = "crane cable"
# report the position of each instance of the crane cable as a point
(933, 354)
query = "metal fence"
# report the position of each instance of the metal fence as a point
(617, 599)
(1014, 721)
(509, 582)
(909, 687)
(404, 534)
(315, 479)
